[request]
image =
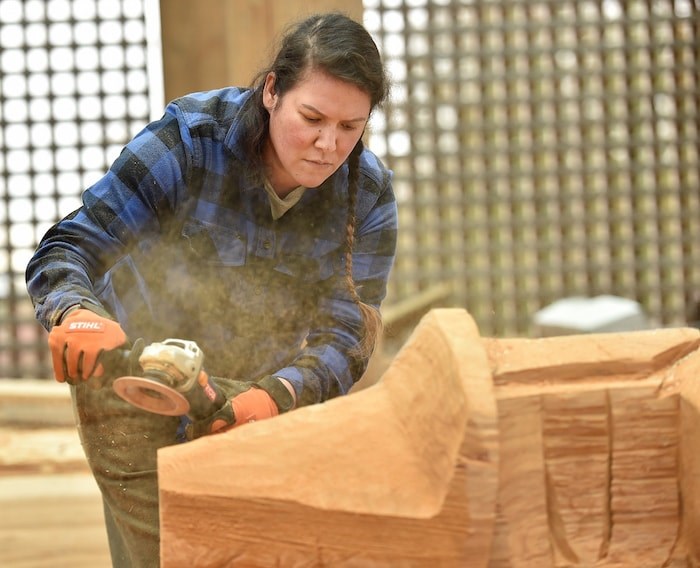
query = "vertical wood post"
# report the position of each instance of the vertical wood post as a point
(213, 43)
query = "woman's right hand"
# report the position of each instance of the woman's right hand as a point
(77, 343)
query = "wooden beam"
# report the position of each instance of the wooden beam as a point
(213, 43)
(411, 309)
(35, 402)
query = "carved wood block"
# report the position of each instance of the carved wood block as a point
(403, 473)
(469, 452)
(592, 444)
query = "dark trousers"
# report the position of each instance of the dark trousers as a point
(121, 444)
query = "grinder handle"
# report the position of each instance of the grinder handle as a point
(118, 362)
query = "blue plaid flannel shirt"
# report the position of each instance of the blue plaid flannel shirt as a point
(174, 241)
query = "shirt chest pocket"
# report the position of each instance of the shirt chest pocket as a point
(302, 257)
(309, 259)
(215, 245)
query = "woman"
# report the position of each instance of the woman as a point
(251, 221)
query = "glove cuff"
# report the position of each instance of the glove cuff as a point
(86, 305)
(279, 393)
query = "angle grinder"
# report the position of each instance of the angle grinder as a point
(173, 382)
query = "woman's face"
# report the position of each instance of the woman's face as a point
(313, 129)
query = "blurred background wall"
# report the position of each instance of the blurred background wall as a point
(542, 149)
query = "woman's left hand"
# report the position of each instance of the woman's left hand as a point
(249, 406)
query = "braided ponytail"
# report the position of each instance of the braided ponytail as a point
(341, 47)
(371, 318)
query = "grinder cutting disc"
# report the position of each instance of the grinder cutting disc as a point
(151, 395)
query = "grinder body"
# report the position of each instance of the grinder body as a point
(174, 382)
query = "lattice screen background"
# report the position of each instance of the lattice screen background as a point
(545, 149)
(74, 86)
(542, 149)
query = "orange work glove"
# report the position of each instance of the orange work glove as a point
(77, 343)
(249, 406)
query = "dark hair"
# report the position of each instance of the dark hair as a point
(333, 43)
(341, 47)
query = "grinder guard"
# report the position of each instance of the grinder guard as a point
(173, 382)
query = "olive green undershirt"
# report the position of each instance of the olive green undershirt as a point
(279, 206)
